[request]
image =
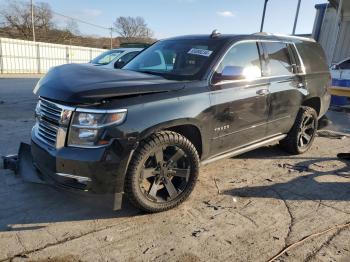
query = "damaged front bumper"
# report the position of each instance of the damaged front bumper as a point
(97, 171)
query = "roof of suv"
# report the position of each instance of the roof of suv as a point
(258, 36)
(131, 49)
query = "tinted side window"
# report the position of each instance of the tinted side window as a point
(345, 65)
(279, 62)
(242, 59)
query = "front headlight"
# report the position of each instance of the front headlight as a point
(87, 127)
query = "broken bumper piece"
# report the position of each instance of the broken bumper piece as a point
(24, 166)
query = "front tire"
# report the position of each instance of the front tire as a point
(303, 132)
(162, 172)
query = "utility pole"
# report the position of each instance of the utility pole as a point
(111, 32)
(296, 18)
(32, 13)
(263, 17)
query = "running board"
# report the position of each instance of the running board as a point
(244, 149)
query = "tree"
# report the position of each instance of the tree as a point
(72, 27)
(132, 28)
(16, 17)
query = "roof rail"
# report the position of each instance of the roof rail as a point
(297, 37)
(261, 33)
(288, 36)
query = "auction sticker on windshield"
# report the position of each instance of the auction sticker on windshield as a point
(202, 52)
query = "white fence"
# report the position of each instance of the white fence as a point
(28, 57)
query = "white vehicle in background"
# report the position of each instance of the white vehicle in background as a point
(341, 70)
(341, 79)
(115, 58)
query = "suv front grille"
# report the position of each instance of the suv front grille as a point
(49, 121)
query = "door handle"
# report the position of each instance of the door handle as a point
(300, 85)
(262, 92)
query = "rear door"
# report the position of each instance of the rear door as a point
(286, 86)
(240, 106)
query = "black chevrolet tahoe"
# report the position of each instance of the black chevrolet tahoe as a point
(145, 129)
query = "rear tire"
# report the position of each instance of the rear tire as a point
(301, 136)
(162, 172)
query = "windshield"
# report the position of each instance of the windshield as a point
(176, 59)
(106, 57)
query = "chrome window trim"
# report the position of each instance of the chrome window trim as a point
(251, 80)
(248, 82)
(300, 60)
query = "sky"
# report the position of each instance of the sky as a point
(180, 17)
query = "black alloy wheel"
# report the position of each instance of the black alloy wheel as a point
(307, 131)
(165, 174)
(303, 132)
(162, 173)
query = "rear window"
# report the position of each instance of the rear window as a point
(279, 62)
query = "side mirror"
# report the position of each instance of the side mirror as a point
(232, 72)
(119, 64)
(229, 73)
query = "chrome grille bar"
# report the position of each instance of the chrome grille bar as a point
(48, 133)
(49, 140)
(49, 119)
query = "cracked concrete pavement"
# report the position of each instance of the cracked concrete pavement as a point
(247, 208)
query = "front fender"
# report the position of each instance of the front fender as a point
(150, 117)
(170, 124)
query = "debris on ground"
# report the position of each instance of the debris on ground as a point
(238, 181)
(298, 168)
(210, 205)
(196, 233)
(108, 238)
(332, 134)
(216, 185)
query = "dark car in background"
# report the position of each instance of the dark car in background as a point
(144, 130)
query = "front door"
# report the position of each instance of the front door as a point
(240, 104)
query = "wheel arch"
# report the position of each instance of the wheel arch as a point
(189, 128)
(313, 102)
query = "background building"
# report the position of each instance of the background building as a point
(332, 29)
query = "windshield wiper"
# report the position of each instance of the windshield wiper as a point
(164, 75)
(151, 72)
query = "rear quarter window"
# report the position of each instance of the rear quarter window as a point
(312, 56)
(278, 61)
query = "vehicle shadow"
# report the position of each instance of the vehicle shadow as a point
(322, 179)
(28, 206)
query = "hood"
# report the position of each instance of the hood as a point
(83, 84)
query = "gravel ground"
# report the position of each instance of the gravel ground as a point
(247, 208)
